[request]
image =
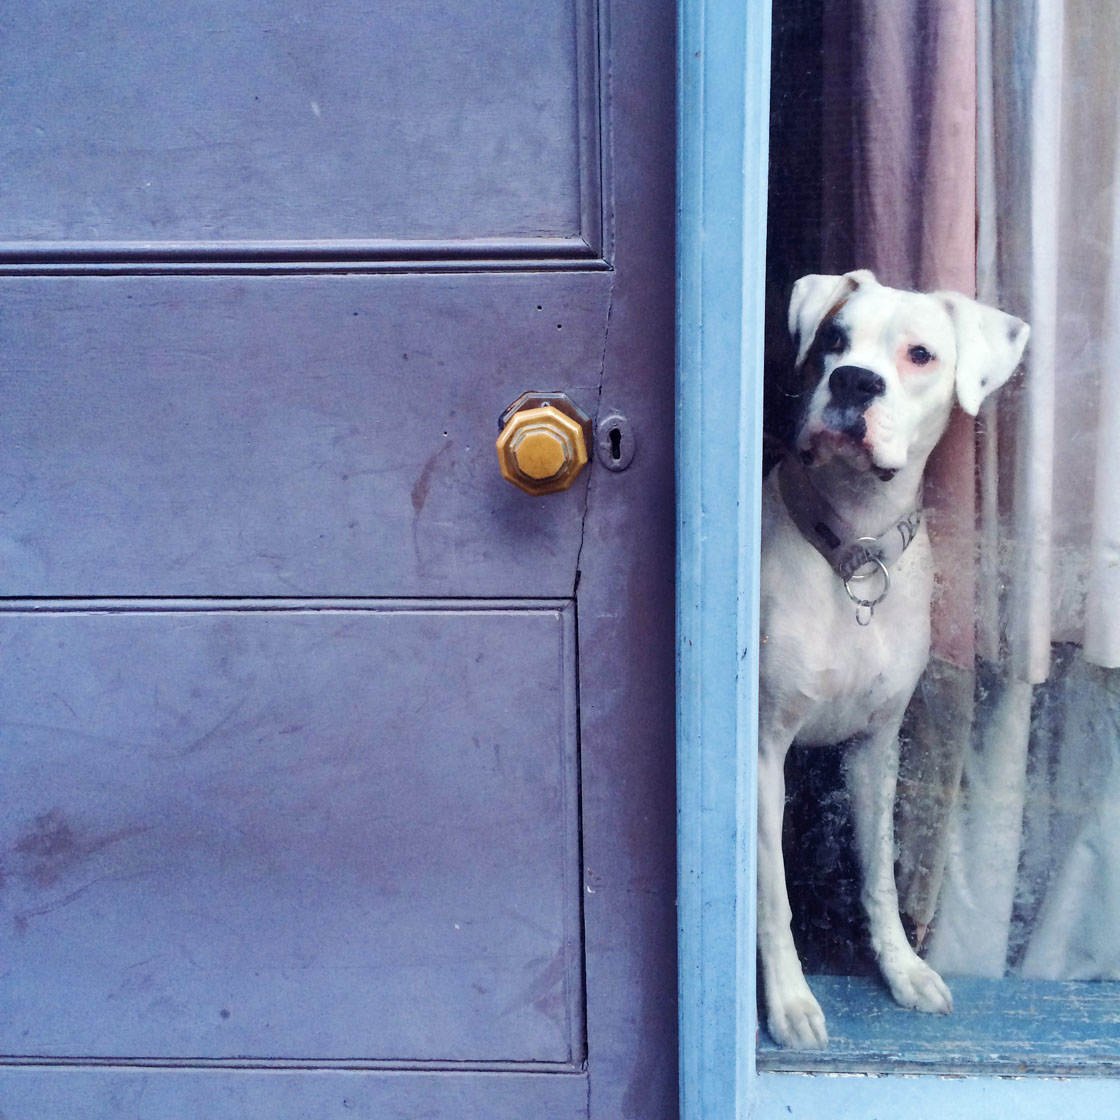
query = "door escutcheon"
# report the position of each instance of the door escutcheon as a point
(543, 441)
(614, 442)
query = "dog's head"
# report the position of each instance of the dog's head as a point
(881, 366)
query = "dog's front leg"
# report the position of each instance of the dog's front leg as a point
(793, 1016)
(871, 772)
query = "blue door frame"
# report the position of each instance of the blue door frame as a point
(723, 109)
(724, 51)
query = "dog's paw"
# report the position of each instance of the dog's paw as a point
(917, 986)
(795, 1020)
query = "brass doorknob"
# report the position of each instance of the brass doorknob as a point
(543, 442)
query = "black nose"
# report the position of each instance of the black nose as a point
(854, 385)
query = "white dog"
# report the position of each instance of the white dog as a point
(846, 584)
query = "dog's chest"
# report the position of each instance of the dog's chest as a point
(859, 680)
(830, 677)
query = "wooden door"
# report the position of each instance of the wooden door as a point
(337, 773)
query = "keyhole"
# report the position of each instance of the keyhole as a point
(614, 442)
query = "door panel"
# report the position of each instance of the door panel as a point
(304, 436)
(309, 832)
(211, 121)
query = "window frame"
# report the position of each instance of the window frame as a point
(723, 122)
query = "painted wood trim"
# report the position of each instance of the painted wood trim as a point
(275, 603)
(807, 1096)
(723, 106)
(591, 41)
(350, 256)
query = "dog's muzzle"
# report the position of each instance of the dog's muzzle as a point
(851, 391)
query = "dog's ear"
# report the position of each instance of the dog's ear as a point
(813, 298)
(989, 346)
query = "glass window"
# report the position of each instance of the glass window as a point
(967, 147)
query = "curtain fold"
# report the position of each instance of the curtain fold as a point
(1069, 882)
(1102, 612)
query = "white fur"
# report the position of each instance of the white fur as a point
(824, 678)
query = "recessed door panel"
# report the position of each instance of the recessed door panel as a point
(301, 833)
(210, 121)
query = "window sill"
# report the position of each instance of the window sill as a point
(998, 1028)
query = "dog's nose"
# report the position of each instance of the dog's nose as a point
(854, 385)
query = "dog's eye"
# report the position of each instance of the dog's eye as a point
(920, 356)
(833, 338)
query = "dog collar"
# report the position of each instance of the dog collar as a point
(853, 558)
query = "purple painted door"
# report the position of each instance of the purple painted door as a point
(336, 773)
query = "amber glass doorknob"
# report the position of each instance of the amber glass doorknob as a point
(542, 445)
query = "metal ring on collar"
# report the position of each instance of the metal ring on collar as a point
(855, 577)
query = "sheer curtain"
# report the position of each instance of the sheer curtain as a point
(1033, 878)
(973, 144)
